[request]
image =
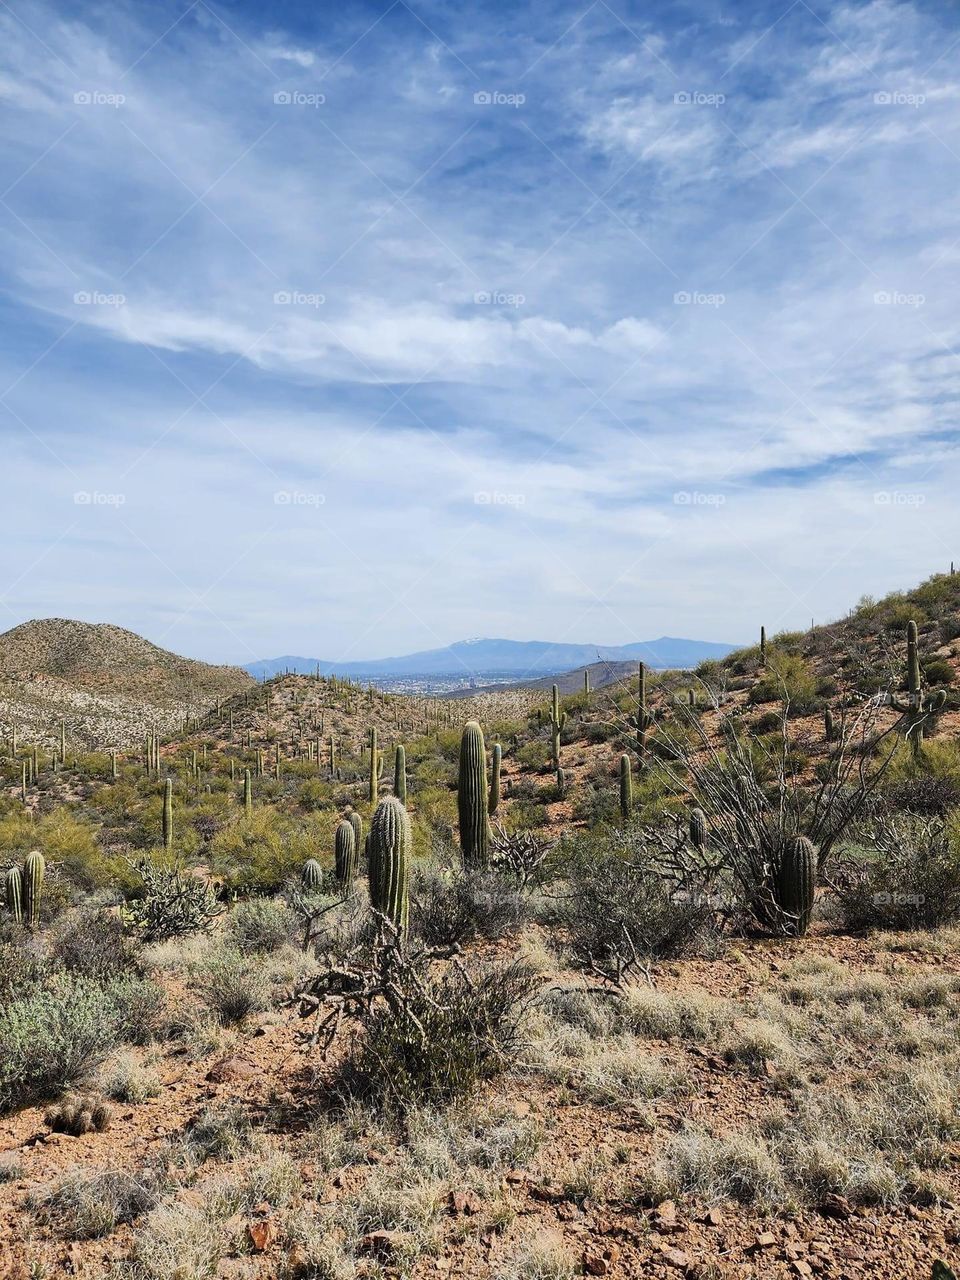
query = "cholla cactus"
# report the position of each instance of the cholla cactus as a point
(390, 843)
(473, 798)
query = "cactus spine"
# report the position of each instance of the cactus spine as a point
(494, 804)
(167, 821)
(311, 877)
(626, 786)
(400, 774)
(34, 870)
(13, 892)
(473, 798)
(389, 862)
(345, 854)
(796, 882)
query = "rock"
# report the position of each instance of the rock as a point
(713, 1217)
(765, 1240)
(230, 1069)
(801, 1268)
(665, 1216)
(835, 1206)
(676, 1258)
(382, 1244)
(465, 1202)
(262, 1234)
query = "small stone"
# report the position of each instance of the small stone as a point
(230, 1069)
(765, 1240)
(464, 1202)
(801, 1268)
(676, 1258)
(382, 1244)
(713, 1217)
(665, 1216)
(262, 1234)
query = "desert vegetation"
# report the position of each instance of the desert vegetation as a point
(657, 978)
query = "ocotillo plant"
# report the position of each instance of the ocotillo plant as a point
(247, 793)
(473, 798)
(13, 893)
(400, 774)
(494, 804)
(558, 719)
(917, 708)
(389, 862)
(345, 854)
(34, 870)
(167, 820)
(626, 786)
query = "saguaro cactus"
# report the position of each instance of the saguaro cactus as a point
(247, 793)
(763, 644)
(795, 883)
(345, 854)
(626, 786)
(917, 708)
(13, 893)
(400, 774)
(494, 804)
(473, 798)
(376, 766)
(644, 718)
(34, 870)
(558, 719)
(828, 725)
(698, 828)
(167, 821)
(586, 680)
(357, 823)
(311, 877)
(389, 861)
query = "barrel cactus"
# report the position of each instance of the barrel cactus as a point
(345, 854)
(34, 870)
(13, 893)
(473, 798)
(389, 846)
(311, 877)
(795, 883)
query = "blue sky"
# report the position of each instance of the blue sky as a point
(353, 330)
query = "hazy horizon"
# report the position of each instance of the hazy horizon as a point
(354, 334)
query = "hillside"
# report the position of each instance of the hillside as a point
(109, 685)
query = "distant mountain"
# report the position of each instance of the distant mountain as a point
(110, 686)
(522, 659)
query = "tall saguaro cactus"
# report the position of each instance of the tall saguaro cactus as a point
(389, 862)
(376, 766)
(626, 786)
(473, 798)
(763, 644)
(357, 823)
(644, 718)
(345, 854)
(34, 870)
(13, 893)
(917, 708)
(400, 774)
(247, 793)
(558, 719)
(494, 803)
(167, 820)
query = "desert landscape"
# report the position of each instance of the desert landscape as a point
(660, 978)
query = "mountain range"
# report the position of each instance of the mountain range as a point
(477, 659)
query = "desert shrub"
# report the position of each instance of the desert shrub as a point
(424, 1035)
(218, 1133)
(260, 853)
(535, 756)
(25, 962)
(93, 1202)
(787, 678)
(259, 924)
(938, 671)
(173, 902)
(924, 794)
(622, 912)
(127, 1078)
(456, 907)
(93, 943)
(904, 874)
(52, 1038)
(231, 984)
(137, 1005)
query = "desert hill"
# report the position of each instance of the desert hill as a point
(110, 685)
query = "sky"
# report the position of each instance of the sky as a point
(350, 330)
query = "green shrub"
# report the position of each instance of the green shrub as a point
(904, 874)
(232, 985)
(258, 925)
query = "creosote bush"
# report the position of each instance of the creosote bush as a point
(457, 907)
